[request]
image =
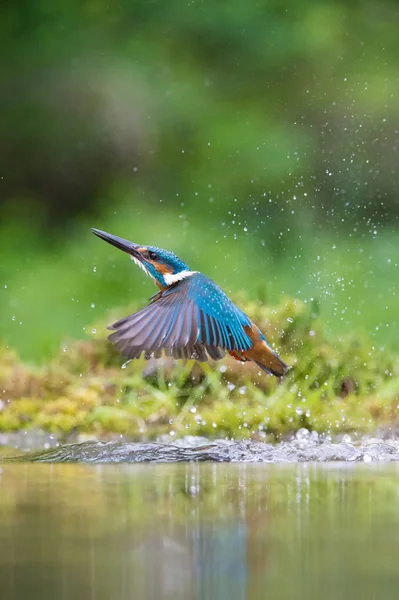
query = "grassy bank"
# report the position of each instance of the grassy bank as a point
(336, 384)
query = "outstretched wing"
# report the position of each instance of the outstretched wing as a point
(192, 319)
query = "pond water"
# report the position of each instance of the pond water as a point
(199, 531)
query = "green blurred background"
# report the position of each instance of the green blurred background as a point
(257, 140)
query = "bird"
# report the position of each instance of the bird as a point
(190, 317)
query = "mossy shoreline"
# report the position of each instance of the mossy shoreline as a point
(336, 385)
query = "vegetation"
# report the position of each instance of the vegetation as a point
(257, 140)
(336, 384)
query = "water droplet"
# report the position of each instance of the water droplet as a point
(302, 434)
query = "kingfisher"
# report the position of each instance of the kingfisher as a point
(190, 317)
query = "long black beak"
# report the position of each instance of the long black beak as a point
(118, 242)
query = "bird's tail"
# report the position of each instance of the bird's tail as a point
(272, 364)
(283, 368)
(262, 355)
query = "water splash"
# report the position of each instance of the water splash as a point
(306, 447)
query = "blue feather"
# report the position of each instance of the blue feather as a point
(206, 323)
(212, 301)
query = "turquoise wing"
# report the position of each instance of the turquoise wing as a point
(221, 322)
(191, 319)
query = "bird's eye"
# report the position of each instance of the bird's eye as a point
(153, 255)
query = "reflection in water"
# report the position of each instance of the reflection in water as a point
(198, 531)
(220, 562)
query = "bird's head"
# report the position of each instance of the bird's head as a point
(163, 266)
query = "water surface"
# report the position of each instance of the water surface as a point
(200, 531)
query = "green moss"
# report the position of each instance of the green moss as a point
(339, 384)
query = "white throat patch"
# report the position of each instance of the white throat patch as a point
(141, 265)
(171, 278)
